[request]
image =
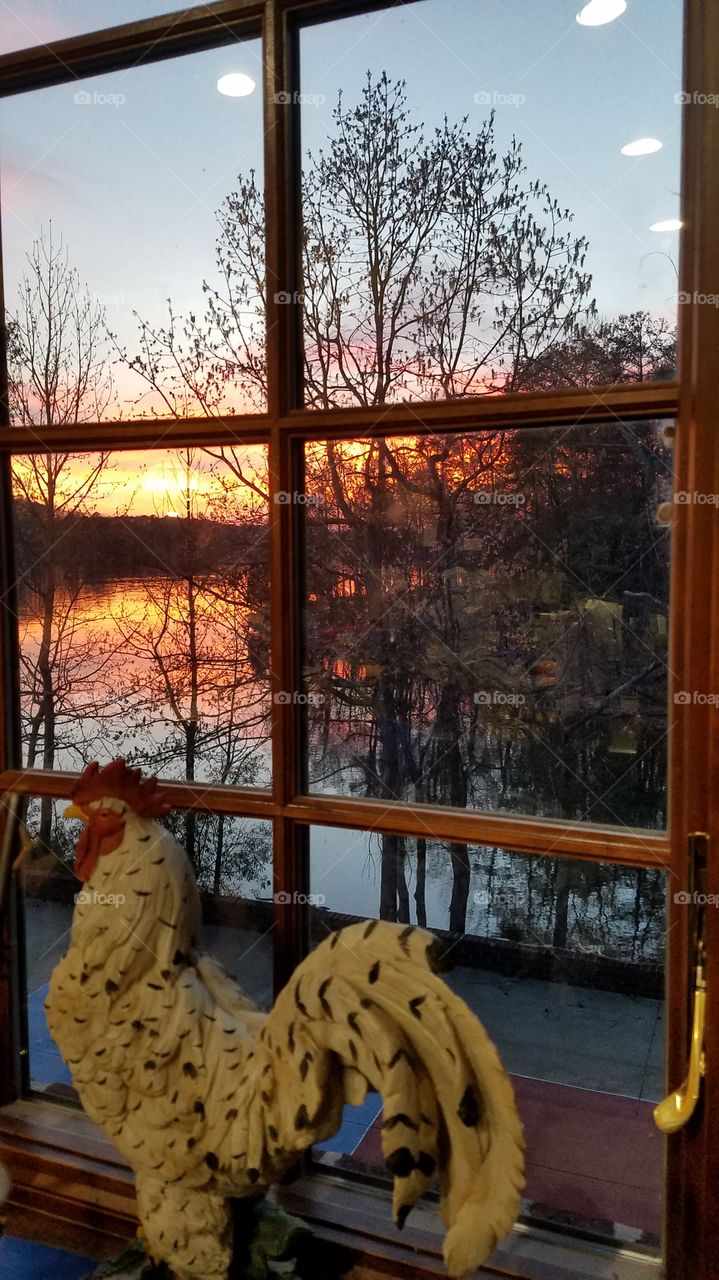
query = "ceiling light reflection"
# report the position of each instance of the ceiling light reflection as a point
(236, 85)
(597, 12)
(642, 147)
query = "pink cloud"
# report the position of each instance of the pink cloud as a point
(26, 23)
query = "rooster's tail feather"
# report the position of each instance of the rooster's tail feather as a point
(370, 995)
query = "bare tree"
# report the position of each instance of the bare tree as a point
(433, 266)
(59, 375)
(191, 686)
(636, 347)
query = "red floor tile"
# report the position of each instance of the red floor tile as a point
(590, 1154)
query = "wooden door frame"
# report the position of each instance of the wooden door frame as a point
(692, 1183)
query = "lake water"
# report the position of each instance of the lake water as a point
(131, 676)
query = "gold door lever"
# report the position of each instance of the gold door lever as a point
(674, 1111)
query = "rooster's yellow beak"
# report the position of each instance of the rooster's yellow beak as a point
(74, 811)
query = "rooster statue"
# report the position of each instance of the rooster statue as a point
(209, 1099)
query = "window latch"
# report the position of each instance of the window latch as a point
(674, 1111)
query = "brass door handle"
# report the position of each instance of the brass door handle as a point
(674, 1111)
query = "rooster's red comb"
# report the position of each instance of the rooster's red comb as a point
(121, 783)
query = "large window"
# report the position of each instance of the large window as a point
(339, 457)
(486, 620)
(563, 961)
(143, 610)
(490, 217)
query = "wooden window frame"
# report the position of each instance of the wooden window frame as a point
(286, 426)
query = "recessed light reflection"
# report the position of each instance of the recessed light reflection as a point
(642, 147)
(669, 224)
(236, 85)
(597, 12)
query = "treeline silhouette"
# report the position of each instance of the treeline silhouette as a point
(97, 548)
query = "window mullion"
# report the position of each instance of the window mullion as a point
(283, 213)
(10, 751)
(130, 45)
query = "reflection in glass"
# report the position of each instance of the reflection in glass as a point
(232, 859)
(485, 622)
(37, 22)
(563, 962)
(126, 293)
(474, 229)
(143, 612)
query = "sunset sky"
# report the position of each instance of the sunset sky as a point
(133, 178)
(143, 484)
(156, 484)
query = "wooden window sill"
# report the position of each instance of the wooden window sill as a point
(70, 1185)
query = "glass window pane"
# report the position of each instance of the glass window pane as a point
(486, 621)
(471, 223)
(233, 865)
(37, 22)
(563, 962)
(143, 611)
(120, 194)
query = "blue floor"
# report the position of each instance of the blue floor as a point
(23, 1260)
(355, 1123)
(46, 1065)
